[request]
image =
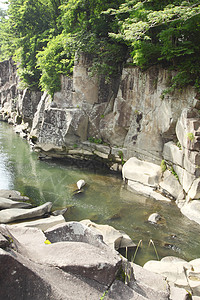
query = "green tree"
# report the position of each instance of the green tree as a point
(166, 32)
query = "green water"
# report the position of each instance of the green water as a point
(105, 199)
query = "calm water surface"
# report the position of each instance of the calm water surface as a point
(105, 199)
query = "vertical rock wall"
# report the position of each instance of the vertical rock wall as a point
(128, 117)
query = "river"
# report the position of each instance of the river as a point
(105, 199)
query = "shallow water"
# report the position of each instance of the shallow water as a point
(105, 199)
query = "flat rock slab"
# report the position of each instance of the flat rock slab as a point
(8, 203)
(14, 214)
(43, 223)
(80, 259)
(13, 195)
(28, 237)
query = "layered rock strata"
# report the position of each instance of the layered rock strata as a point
(32, 267)
(129, 117)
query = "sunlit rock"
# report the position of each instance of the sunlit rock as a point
(81, 183)
(13, 214)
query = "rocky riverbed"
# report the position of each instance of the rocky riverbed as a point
(79, 260)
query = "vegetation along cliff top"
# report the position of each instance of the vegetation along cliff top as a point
(43, 36)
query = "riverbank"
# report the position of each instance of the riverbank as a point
(92, 265)
(93, 121)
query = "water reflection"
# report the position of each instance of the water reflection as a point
(104, 200)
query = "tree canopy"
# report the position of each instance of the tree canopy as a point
(43, 35)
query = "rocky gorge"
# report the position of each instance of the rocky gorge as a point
(49, 258)
(128, 124)
(130, 121)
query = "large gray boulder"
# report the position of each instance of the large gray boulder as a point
(14, 214)
(115, 239)
(7, 203)
(19, 281)
(75, 232)
(192, 210)
(23, 279)
(80, 259)
(141, 171)
(173, 270)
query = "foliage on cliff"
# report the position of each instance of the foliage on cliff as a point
(43, 36)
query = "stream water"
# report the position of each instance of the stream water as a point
(105, 199)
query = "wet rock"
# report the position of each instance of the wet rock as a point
(81, 183)
(7, 203)
(155, 218)
(13, 214)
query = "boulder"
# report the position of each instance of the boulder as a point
(80, 183)
(170, 184)
(20, 281)
(115, 239)
(173, 154)
(192, 210)
(152, 286)
(141, 171)
(43, 223)
(12, 195)
(7, 203)
(155, 218)
(173, 270)
(194, 191)
(196, 264)
(23, 279)
(75, 232)
(98, 265)
(14, 214)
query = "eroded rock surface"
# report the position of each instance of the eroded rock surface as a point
(32, 268)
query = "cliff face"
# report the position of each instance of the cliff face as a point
(112, 122)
